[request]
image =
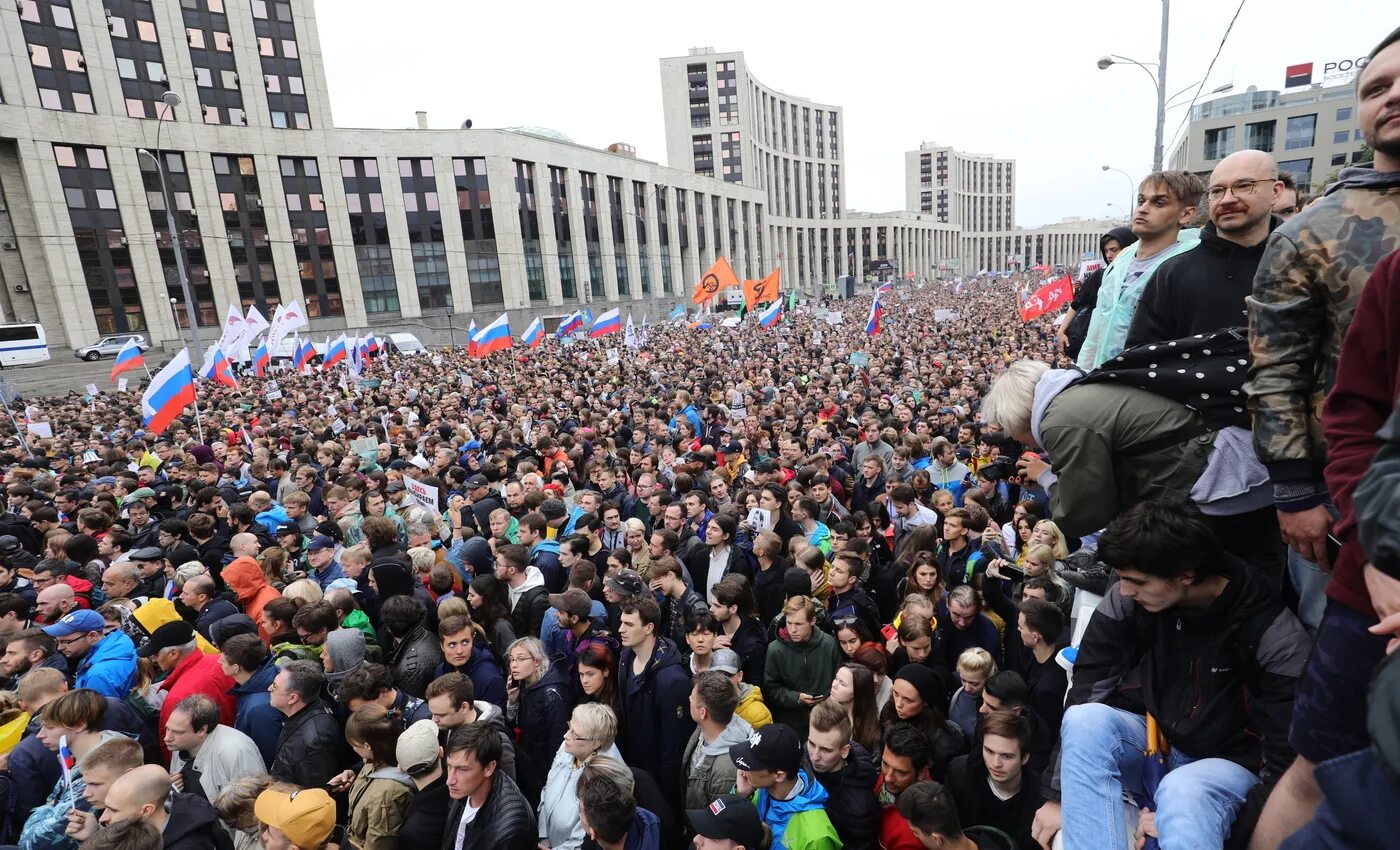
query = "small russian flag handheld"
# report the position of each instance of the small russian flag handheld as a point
(877, 312)
(533, 334)
(66, 762)
(261, 359)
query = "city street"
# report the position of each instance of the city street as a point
(62, 373)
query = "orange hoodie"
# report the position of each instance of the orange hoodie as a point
(245, 578)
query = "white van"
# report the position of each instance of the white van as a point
(405, 343)
(286, 350)
(22, 344)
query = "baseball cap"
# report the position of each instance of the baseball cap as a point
(626, 582)
(395, 487)
(725, 661)
(774, 747)
(731, 818)
(417, 748)
(476, 481)
(320, 542)
(147, 553)
(572, 601)
(420, 462)
(288, 528)
(76, 623)
(175, 633)
(307, 816)
(141, 493)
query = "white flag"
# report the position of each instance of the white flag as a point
(254, 325)
(629, 338)
(234, 325)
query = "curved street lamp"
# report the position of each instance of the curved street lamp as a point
(172, 100)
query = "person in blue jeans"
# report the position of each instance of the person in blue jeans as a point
(1199, 640)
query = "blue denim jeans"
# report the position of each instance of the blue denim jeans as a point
(1309, 581)
(1101, 758)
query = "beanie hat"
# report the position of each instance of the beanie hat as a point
(925, 681)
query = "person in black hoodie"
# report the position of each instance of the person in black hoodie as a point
(1193, 636)
(847, 599)
(847, 771)
(655, 723)
(538, 701)
(1203, 290)
(185, 821)
(992, 785)
(1081, 309)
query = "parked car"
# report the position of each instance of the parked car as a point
(108, 346)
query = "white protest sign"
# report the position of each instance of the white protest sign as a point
(39, 429)
(121, 385)
(338, 425)
(613, 357)
(833, 318)
(273, 395)
(92, 389)
(425, 495)
(760, 519)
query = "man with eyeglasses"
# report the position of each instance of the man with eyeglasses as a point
(1203, 290)
(104, 663)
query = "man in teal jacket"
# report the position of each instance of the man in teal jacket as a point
(106, 664)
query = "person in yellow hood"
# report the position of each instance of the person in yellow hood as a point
(245, 577)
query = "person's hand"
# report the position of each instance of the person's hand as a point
(1385, 598)
(1062, 341)
(178, 781)
(723, 641)
(809, 699)
(512, 693)
(1032, 467)
(81, 825)
(991, 533)
(1305, 532)
(543, 845)
(742, 786)
(1147, 826)
(1046, 824)
(341, 781)
(994, 569)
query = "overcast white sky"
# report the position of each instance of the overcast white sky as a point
(1011, 78)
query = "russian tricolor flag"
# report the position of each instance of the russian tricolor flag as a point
(219, 369)
(372, 346)
(569, 325)
(494, 337)
(534, 334)
(887, 286)
(472, 333)
(127, 359)
(304, 352)
(872, 325)
(770, 317)
(607, 323)
(170, 392)
(261, 359)
(335, 353)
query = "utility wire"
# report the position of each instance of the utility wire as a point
(1187, 117)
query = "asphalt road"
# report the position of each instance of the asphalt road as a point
(64, 372)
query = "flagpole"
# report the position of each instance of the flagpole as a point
(198, 423)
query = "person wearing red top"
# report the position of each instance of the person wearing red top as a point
(904, 761)
(175, 650)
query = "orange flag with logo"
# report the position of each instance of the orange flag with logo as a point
(720, 275)
(762, 291)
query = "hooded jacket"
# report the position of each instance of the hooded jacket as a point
(798, 668)
(544, 556)
(1219, 680)
(1199, 291)
(196, 673)
(426, 817)
(528, 603)
(1118, 299)
(655, 720)
(800, 823)
(542, 715)
(485, 673)
(558, 814)
(504, 821)
(709, 771)
(851, 802)
(212, 612)
(414, 658)
(1088, 292)
(490, 715)
(110, 667)
(245, 578)
(378, 804)
(193, 825)
(255, 716)
(751, 706)
(1314, 269)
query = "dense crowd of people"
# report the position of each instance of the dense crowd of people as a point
(967, 582)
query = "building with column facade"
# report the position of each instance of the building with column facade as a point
(417, 230)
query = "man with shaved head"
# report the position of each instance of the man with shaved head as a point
(54, 601)
(120, 581)
(185, 821)
(1203, 290)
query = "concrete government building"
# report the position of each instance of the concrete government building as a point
(417, 229)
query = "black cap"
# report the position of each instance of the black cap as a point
(476, 481)
(177, 633)
(288, 528)
(729, 818)
(765, 467)
(774, 747)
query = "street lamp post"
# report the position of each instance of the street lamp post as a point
(171, 100)
(1159, 82)
(1132, 186)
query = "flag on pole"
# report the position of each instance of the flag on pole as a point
(887, 286)
(534, 334)
(128, 358)
(758, 292)
(373, 346)
(645, 327)
(719, 276)
(569, 325)
(877, 312)
(354, 358)
(472, 332)
(304, 352)
(771, 316)
(234, 324)
(494, 337)
(66, 761)
(677, 313)
(218, 368)
(629, 338)
(606, 323)
(335, 352)
(1053, 295)
(261, 359)
(587, 316)
(169, 393)
(253, 325)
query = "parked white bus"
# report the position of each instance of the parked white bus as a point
(22, 344)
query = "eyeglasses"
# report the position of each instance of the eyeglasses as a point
(569, 733)
(65, 643)
(1240, 188)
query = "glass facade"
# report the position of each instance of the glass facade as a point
(101, 240)
(563, 234)
(240, 199)
(139, 62)
(588, 187)
(211, 53)
(478, 230)
(56, 55)
(311, 236)
(177, 180)
(281, 65)
(420, 203)
(369, 232)
(530, 229)
(615, 211)
(1300, 132)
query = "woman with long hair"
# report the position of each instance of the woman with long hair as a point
(597, 676)
(922, 578)
(875, 658)
(490, 603)
(378, 802)
(851, 632)
(918, 698)
(1047, 533)
(537, 705)
(853, 688)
